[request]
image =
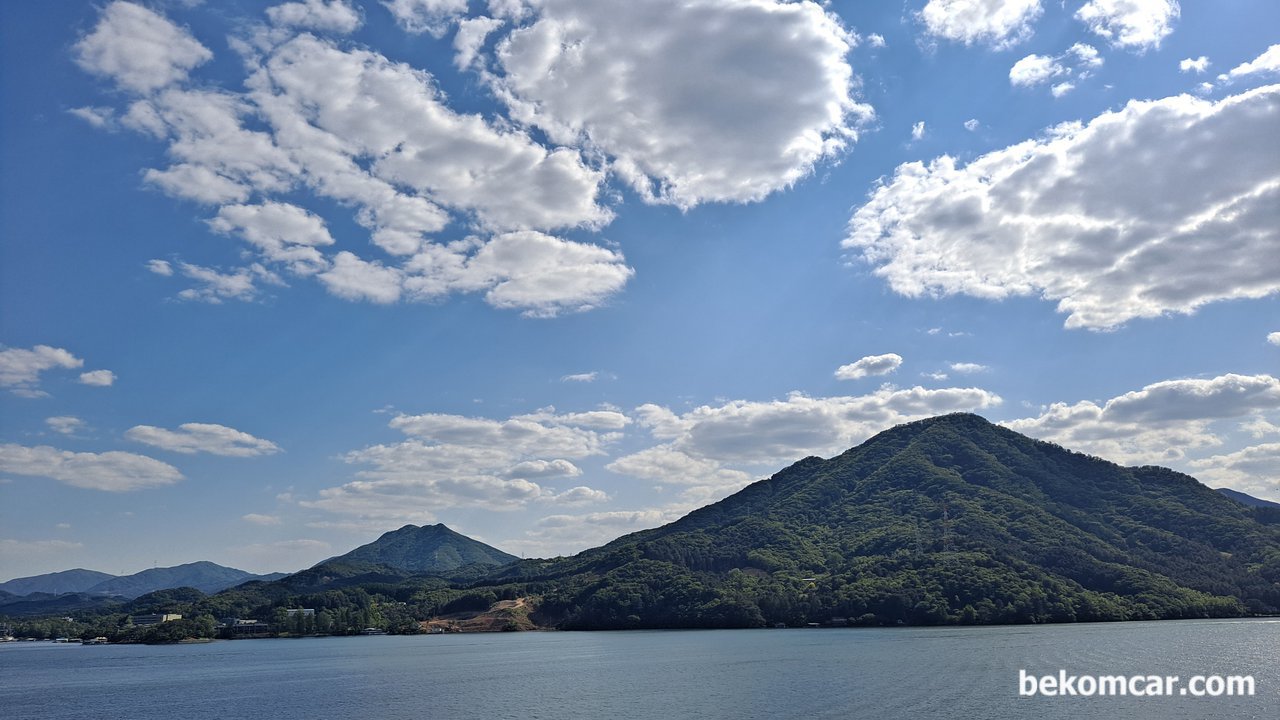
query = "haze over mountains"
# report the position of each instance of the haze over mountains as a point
(204, 576)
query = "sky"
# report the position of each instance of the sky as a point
(276, 278)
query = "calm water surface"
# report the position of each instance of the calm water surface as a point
(870, 673)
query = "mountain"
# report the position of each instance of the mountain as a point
(78, 580)
(426, 550)
(946, 520)
(204, 576)
(1247, 499)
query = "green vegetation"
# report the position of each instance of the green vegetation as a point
(945, 521)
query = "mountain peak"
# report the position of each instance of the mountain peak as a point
(426, 549)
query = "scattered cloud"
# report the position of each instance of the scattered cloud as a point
(1268, 63)
(996, 23)
(109, 471)
(258, 519)
(1062, 89)
(917, 130)
(747, 433)
(20, 369)
(1035, 70)
(1138, 25)
(565, 534)
(1195, 65)
(580, 495)
(425, 16)
(160, 267)
(1079, 61)
(98, 378)
(968, 368)
(1093, 215)
(103, 118)
(461, 461)
(1274, 338)
(668, 112)
(138, 49)
(869, 365)
(214, 286)
(65, 424)
(875, 40)
(1160, 423)
(334, 16)
(191, 438)
(1254, 470)
(586, 377)
(972, 124)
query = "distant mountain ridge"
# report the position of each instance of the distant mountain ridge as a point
(204, 576)
(1248, 499)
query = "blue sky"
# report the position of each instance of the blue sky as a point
(276, 278)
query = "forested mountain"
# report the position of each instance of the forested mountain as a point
(204, 576)
(426, 550)
(78, 580)
(946, 520)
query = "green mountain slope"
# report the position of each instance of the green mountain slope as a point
(67, 581)
(426, 550)
(204, 576)
(947, 520)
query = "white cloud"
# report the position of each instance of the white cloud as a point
(1268, 63)
(703, 479)
(110, 471)
(21, 548)
(97, 116)
(1095, 216)
(98, 378)
(747, 433)
(540, 274)
(1062, 88)
(694, 113)
(160, 267)
(917, 130)
(586, 377)
(214, 286)
(998, 23)
(332, 16)
(460, 461)
(565, 534)
(1035, 70)
(968, 368)
(869, 365)
(1274, 338)
(65, 424)
(20, 369)
(196, 182)
(972, 124)
(875, 40)
(356, 279)
(425, 16)
(191, 438)
(1195, 65)
(284, 233)
(471, 36)
(1159, 423)
(259, 519)
(581, 495)
(1254, 470)
(1137, 24)
(1260, 427)
(138, 49)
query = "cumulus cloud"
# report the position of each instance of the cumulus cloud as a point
(1254, 470)
(98, 378)
(109, 471)
(581, 495)
(191, 438)
(1274, 338)
(333, 16)
(64, 424)
(462, 461)
(917, 130)
(748, 433)
(702, 479)
(869, 365)
(138, 49)
(1096, 215)
(259, 519)
(425, 16)
(97, 116)
(997, 23)
(20, 369)
(1160, 423)
(1195, 65)
(282, 232)
(214, 286)
(565, 533)
(694, 113)
(1132, 24)
(1268, 63)
(968, 368)
(160, 267)
(1078, 61)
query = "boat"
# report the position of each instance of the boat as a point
(373, 631)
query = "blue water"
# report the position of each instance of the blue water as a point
(867, 673)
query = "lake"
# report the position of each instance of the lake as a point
(836, 673)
